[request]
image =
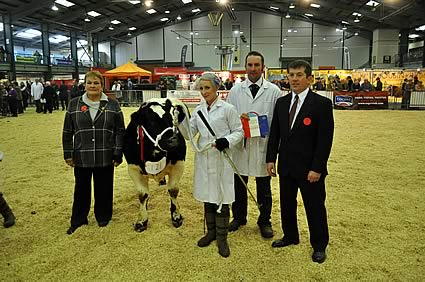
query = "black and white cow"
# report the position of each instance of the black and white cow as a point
(154, 148)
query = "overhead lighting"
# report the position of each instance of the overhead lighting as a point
(129, 34)
(1, 26)
(372, 3)
(179, 18)
(132, 28)
(87, 19)
(164, 19)
(93, 14)
(289, 30)
(191, 33)
(134, 2)
(240, 32)
(58, 38)
(422, 27)
(344, 22)
(196, 33)
(64, 3)
(291, 6)
(285, 39)
(413, 36)
(222, 2)
(295, 30)
(178, 37)
(167, 12)
(148, 3)
(54, 7)
(314, 5)
(356, 20)
(338, 29)
(151, 11)
(314, 45)
(247, 46)
(357, 14)
(308, 15)
(186, 1)
(281, 45)
(29, 33)
(344, 28)
(115, 22)
(324, 38)
(111, 27)
(356, 33)
(197, 10)
(287, 15)
(274, 8)
(208, 40)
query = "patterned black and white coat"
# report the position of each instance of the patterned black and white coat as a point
(154, 148)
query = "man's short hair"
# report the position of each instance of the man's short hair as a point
(299, 64)
(255, 53)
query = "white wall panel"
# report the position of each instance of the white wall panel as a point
(173, 46)
(150, 45)
(125, 52)
(204, 51)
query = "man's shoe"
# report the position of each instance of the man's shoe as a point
(235, 224)
(319, 256)
(9, 220)
(284, 242)
(72, 229)
(103, 223)
(266, 231)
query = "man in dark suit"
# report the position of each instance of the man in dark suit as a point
(301, 133)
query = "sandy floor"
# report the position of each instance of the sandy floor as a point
(374, 199)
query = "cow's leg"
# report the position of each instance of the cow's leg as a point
(173, 180)
(141, 184)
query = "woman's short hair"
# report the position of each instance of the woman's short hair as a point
(215, 80)
(94, 74)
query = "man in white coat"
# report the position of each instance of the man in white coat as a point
(36, 91)
(253, 95)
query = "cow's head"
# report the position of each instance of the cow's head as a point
(159, 119)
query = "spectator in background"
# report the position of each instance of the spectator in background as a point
(228, 84)
(366, 86)
(48, 94)
(75, 91)
(378, 84)
(55, 96)
(37, 57)
(19, 97)
(349, 83)
(63, 95)
(36, 92)
(419, 86)
(13, 100)
(356, 85)
(319, 85)
(408, 88)
(24, 92)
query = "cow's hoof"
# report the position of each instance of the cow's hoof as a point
(177, 222)
(140, 227)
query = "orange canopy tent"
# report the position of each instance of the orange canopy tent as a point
(128, 70)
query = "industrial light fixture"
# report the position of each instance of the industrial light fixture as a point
(132, 28)
(308, 14)
(167, 12)
(179, 18)
(151, 11)
(186, 1)
(197, 10)
(356, 20)
(291, 6)
(287, 15)
(422, 27)
(314, 5)
(115, 22)
(222, 2)
(65, 3)
(344, 28)
(93, 14)
(164, 19)
(87, 19)
(54, 7)
(111, 27)
(356, 14)
(344, 22)
(274, 8)
(148, 3)
(356, 33)
(129, 34)
(373, 4)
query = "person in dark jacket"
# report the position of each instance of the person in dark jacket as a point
(378, 84)
(63, 95)
(12, 99)
(302, 133)
(5, 210)
(48, 94)
(92, 144)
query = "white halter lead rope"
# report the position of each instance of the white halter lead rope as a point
(158, 137)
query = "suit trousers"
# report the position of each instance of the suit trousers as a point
(313, 195)
(264, 199)
(103, 179)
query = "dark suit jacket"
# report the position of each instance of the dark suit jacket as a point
(308, 145)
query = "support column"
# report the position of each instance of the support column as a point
(403, 46)
(46, 51)
(95, 43)
(74, 54)
(113, 55)
(385, 47)
(10, 57)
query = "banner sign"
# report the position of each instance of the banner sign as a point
(256, 126)
(192, 97)
(360, 100)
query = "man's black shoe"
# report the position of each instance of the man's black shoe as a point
(319, 256)
(266, 231)
(235, 224)
(284, 242)
(103, 223)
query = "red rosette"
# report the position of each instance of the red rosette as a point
(84, 108)
(307, 121)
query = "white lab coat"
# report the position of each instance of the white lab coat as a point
(251, 158)
(213, 179)
(36, 90)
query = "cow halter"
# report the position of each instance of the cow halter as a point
(158, 137)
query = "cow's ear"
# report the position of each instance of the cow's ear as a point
(168, 105)
(183, 113)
